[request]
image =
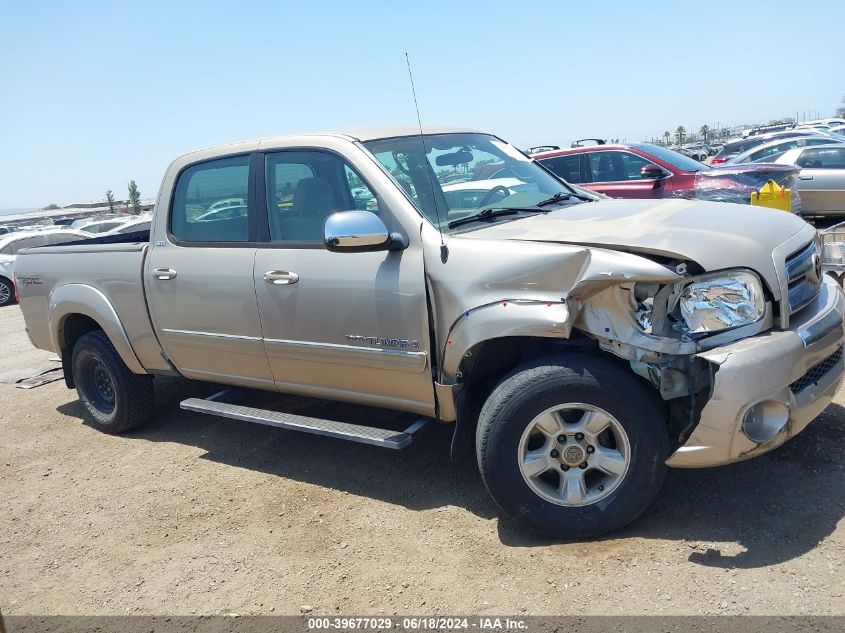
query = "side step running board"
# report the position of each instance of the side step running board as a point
(385, 438)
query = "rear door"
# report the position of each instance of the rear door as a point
(348, 326)
(569, 167)
(616, 173)
(821, 183)
(200, 277)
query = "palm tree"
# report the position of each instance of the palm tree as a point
(680, 134)
(666, 136)
(704, 131)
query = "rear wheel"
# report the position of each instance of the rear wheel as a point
(115, 399)
(572, 446)
(7, 292)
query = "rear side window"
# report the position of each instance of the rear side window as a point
(58, 238)
(779, 148)
(210, 203)
(132, 228)
(27, 242)
(567, 167)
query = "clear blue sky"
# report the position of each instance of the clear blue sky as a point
(97, 93)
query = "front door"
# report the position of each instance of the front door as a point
(821, 181)
(616, 174)
(200, 279)
(347, 326)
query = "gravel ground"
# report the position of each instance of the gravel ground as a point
(201, 515)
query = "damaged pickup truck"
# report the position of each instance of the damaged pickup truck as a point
(580, 344)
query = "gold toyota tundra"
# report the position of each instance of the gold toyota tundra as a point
(579, 344)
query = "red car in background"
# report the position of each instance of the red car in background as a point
(625, 171)
(650, 171)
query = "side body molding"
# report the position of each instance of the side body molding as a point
(86, 300)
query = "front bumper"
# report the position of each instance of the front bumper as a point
(796, 371)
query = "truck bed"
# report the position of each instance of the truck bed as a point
(112, 266)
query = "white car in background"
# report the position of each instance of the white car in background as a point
(476, 194)
(101, 226)
(137, 223)
(11, 243)
(698, 152)
(96, 218)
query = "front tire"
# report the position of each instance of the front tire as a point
(573, 446)
(115, 399)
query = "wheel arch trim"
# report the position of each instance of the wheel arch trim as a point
(71, 299)
(504, 318)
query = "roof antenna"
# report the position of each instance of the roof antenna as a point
(444, 250)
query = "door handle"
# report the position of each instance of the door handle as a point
(805, 177)
(280, 277)
(163, 274)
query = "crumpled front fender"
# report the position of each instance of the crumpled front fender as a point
(501, 319)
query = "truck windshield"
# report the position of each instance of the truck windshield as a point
(452, 176)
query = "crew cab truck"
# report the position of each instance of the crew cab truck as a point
(580, 344)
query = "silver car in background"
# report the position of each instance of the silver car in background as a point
(768, 152)
(821, 183)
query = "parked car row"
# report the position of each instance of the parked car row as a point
(733, 150)
(642, 170)
(806, 161)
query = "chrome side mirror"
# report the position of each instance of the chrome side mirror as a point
(359, 231)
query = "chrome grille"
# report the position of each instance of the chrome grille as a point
(817, 372)
(802, 272)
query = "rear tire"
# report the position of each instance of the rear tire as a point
(7, 292)
(572, 446)
(115, 399)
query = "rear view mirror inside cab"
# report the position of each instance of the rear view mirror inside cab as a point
(454, 158)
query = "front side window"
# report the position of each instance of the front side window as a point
(442, 173)
(210, 203)
(633, 165)
(833, 158)
(305, 187)
(606, 166)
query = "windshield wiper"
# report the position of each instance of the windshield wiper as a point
(560, 196)
(494, 212)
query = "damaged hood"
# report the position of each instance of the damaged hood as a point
(716, 235)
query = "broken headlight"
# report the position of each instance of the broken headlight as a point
(721, 301)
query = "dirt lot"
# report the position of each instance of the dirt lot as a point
(201, 515)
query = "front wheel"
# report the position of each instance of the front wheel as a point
(573, 446)
(115, 399)
(7, 292)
